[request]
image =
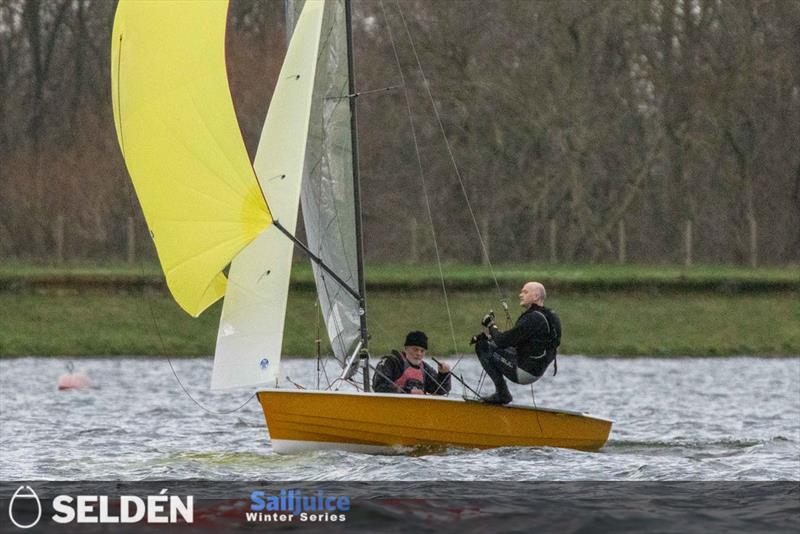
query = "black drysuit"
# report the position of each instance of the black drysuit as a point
(530, 346)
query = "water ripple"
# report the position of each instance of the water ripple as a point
(730, 419)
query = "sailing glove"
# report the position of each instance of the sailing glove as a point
(488, 319)
(478, 337)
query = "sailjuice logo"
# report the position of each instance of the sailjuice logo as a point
(294, 505)
(20, 506)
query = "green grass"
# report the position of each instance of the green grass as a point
(401, 273)
(517, 273)
(697, 324)
(11, 268)
(19, 276)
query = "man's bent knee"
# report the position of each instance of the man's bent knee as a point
(482, 346)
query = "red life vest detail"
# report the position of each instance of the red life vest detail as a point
(412, 377)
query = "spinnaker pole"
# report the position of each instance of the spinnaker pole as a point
(362, 304)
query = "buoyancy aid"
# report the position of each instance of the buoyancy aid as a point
(551, 343)
(412, 377)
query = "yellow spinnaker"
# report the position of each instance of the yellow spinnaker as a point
(181, 142)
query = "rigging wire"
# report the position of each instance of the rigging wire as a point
(317, 339)
(427, 198)
(536, 409)
(427, 86)
(325, 372)
(161, 337)
(422, 179)
(331, 297)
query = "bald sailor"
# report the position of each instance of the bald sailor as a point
(522, 353)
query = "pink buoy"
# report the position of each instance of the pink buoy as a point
(72, 380)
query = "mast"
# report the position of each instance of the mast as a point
(362, 290)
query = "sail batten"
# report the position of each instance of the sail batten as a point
(328, 186)
(181, 142)
(249, 341)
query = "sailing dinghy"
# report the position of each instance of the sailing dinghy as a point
(208, 209)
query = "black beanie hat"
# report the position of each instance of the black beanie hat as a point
(416, 339)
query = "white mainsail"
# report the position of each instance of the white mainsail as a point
(250, 333)
(327, 195)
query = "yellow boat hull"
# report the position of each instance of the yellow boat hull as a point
(300, 420)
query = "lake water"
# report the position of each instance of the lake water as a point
(675, 419)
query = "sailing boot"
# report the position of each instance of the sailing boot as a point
(484, 352)
(501, 396)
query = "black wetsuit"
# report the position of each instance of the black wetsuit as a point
(529, 346)
(391, 367)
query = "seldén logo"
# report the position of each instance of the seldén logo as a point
(161, 508)
(22, 499)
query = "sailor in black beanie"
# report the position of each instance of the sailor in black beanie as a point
(405, 372)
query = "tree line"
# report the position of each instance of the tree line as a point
(573, 131)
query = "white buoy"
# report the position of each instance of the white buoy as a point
(72, 380)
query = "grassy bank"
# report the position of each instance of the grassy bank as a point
(17, 276)
(637, 323)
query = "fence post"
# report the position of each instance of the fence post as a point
(131, 240)
(553, 257)
(58, 235)
(753, 241)
(621, 241)
(688, 243)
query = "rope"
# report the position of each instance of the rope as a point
(198, 403)
(164, 347)
(422, 179)
(536, 409)
(317, 341)
(141, 267)
(323, 229)
(330, 313)
(484, 249)
(427, 86)
(481, 380)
